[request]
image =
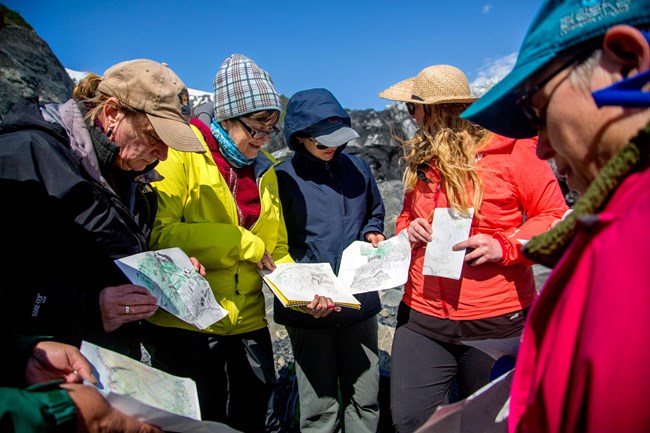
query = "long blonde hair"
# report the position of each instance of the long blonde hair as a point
(449, 144)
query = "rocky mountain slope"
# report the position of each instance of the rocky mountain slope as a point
(28, 67)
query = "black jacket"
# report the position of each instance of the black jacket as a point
(62, 227)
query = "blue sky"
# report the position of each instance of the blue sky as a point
(355, 48)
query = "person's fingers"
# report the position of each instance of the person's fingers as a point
(318, 306)
(461, 245)
(128, 294)
(82, 368)
(313, 304)
(95, 414)
(198, 267)
(129, 289)
(137, 312)
(116, 315)
(74, 377)
(375, 239)
(420, 231)
(266, 262)
(133, 425)
(480, 249)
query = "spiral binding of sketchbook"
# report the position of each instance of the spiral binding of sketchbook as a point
(296, 284)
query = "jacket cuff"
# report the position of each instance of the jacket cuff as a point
(511, 249)
(503, 248)
(510, 252)
(57, 406)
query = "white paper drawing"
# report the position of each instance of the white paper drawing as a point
(365, 268)
(150, 395)
(448, 229)
(298, 283)
(171, 278)
(122, 375)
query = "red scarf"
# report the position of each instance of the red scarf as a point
(241, 181)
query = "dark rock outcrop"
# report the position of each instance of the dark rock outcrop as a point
(28, 67)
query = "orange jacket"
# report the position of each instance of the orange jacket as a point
(521, 198)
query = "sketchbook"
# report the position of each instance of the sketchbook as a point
(296, 284)
(364, 268)
(170, 276)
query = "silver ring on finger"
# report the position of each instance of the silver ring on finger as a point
(127, 309)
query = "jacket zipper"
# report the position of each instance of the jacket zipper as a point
(436, 197)
(116, 200)
(339, 187)
(237, 279)
(442, 302)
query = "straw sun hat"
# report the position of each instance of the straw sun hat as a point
(439, 84)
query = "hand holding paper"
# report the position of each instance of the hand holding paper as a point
(484, 249)
(448, 230)
(171, 277)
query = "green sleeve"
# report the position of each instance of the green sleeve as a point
(42, 408)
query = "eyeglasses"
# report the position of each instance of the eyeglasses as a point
(537, 117)
(258, 134)
(410, 106)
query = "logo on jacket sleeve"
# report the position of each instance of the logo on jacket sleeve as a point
(40, 300)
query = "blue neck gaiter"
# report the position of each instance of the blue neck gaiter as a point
(228, 148)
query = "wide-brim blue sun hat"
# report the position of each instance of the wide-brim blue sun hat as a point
(557, 27)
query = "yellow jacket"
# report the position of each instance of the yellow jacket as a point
(197, 213)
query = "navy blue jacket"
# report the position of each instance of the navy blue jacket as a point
(327, 206)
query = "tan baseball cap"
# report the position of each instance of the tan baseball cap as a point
(154, 89)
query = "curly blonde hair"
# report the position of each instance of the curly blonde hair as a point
(449, 144)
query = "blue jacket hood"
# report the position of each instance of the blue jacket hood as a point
(307, 108)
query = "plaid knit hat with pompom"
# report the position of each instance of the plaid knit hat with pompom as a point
(241, 87)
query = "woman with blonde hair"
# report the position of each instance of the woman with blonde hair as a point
(510, 196)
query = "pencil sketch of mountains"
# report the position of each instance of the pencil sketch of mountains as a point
(366, 268)
(384, 257)
(318, 277)
(171, 278)
(369, 275)
(122, 375)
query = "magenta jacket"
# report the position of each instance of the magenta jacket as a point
(583, 364)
